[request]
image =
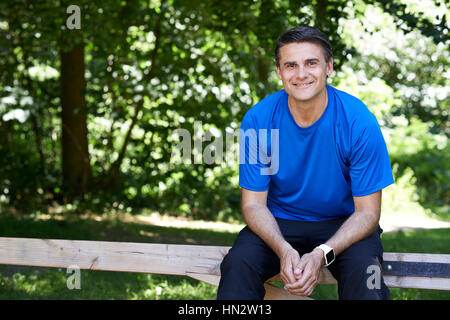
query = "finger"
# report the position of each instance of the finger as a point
(310, 290)
(304, 291)
(286, 278)
(297, 273)
(297, 287)
(303, 262)
(306, 278)
(289, 272)
(302, 266)
(288, 264)
(310, 273)
(297, 292)
(294, 286)
(283, 276)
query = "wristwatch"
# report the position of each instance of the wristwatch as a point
(328, 254)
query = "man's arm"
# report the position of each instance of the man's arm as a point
(358, 226)
(261, 221)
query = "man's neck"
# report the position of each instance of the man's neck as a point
(305, 113)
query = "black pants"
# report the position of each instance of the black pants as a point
(250, 262)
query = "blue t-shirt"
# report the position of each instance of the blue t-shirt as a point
(312, 173)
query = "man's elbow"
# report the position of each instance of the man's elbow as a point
(372, 218)
(249, 209)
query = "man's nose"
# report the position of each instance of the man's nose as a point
(301, 72)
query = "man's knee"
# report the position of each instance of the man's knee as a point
(240, 278)
(363, 280)
(241, 260)
(249, 253)
(245, 268)
(231, 261)
(358, 270)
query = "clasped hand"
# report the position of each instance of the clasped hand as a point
(301, 275)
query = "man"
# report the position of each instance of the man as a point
(321, 204)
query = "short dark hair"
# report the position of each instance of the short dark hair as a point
(304, 34)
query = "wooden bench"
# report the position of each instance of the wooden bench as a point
(400, 270)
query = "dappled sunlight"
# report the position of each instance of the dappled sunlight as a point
(126, 127)
(177, 222)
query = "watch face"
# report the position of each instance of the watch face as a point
(330, 256)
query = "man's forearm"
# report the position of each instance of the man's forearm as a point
(357, 227)
(261, 221)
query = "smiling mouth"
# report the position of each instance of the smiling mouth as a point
(303, 85)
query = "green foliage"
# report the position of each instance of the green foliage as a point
(428, 157)
(155, 67)
(405, 70)
(407, 20)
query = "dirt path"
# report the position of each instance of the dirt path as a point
(388, 222)
(403, 221)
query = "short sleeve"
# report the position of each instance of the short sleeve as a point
(370, 167)
(252, 162)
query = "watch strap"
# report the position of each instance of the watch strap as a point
(326, 249)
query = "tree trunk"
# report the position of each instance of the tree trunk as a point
(75, 154)
(321, 15)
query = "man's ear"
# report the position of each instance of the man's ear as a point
(330, 67)
(278, 72)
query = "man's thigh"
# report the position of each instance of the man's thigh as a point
(251, 252)
(245, 268)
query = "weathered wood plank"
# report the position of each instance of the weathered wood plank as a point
(416, 257)
(199, 262)
(208, 278)
(112, 256)
(417, 282)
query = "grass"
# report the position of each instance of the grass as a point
(50, 283)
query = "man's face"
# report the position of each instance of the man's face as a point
(303, 70)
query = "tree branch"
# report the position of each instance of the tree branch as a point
(115, 168)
